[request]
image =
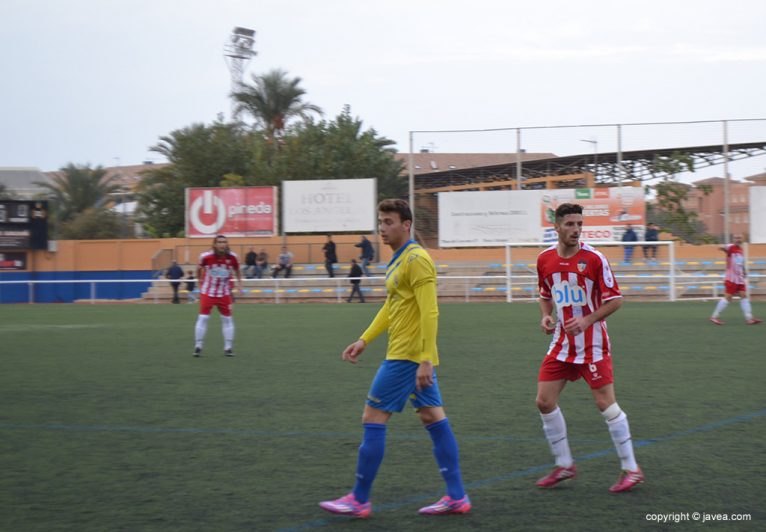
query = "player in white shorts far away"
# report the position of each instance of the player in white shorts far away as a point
(735, 283)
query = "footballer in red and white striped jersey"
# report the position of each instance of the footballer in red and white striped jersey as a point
(218, 270)
(578, 286)
(735, 264)
(577, 280)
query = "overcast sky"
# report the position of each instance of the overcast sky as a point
(99, 81)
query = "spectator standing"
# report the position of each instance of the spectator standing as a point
(175, 273)
(330, 256)
(652, 234)
(355, 274)
(190, 285)
(629, 236)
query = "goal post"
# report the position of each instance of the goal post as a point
(519, 276)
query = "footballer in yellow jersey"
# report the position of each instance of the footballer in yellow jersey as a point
(410, 315)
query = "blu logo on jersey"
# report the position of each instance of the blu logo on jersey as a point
(568, 295)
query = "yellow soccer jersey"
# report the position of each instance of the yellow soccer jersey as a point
(410, 313)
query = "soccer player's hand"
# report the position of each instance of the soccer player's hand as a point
(548, 324)
(352, 352)
(424, 376)
(576, 325)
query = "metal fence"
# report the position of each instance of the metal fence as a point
(519, 287)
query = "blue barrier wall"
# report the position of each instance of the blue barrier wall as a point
(68, 292)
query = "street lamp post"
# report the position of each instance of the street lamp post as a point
(595, 154)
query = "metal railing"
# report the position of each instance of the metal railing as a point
(450, 287)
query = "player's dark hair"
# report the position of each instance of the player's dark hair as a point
(567, 208)
(396, 205)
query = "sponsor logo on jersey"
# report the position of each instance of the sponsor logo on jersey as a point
(218, 271)
(568, 295)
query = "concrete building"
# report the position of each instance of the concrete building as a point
(710, 207)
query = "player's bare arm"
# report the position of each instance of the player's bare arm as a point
(352, 352)
(578, 324)
(547, 322)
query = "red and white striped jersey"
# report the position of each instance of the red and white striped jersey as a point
(735, 264)
(578, 286)
(219, 272)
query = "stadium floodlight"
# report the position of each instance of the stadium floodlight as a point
(237, 52)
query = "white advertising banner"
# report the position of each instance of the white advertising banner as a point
(326, 206)
(758, 215)
(491, 218)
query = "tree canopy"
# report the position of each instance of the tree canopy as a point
(225, 154)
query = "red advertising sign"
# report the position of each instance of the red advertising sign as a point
(246, 211)
(13, 261)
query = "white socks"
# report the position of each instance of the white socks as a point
(619, 430)
(744, 303)
(722, 304)
(200, 329)
(555, 429)
(227, 325)
(747, 310)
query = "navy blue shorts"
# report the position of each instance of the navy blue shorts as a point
(395, 382)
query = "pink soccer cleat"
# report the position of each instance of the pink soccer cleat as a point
(753, 321)
(716, 321)
(348, 505)
(627, 481)
(447, 505)
(557, 475)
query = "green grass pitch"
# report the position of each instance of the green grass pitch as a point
(108, 423)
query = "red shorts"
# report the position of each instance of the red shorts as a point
(734, 288)
(206, 304)
(596, 374)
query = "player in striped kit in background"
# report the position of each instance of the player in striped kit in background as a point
(216, 270)
(735, 283)
(578, 280)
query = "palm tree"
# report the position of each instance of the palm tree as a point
(75, 189)
(272, 100)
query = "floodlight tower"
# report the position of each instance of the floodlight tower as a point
(237, 52)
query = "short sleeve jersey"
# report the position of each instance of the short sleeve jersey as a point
(578, 286)
(735, 264)
(219, 273)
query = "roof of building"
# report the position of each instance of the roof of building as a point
(22, 180)
(715, 181)
(757, 178)
(429, 162)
